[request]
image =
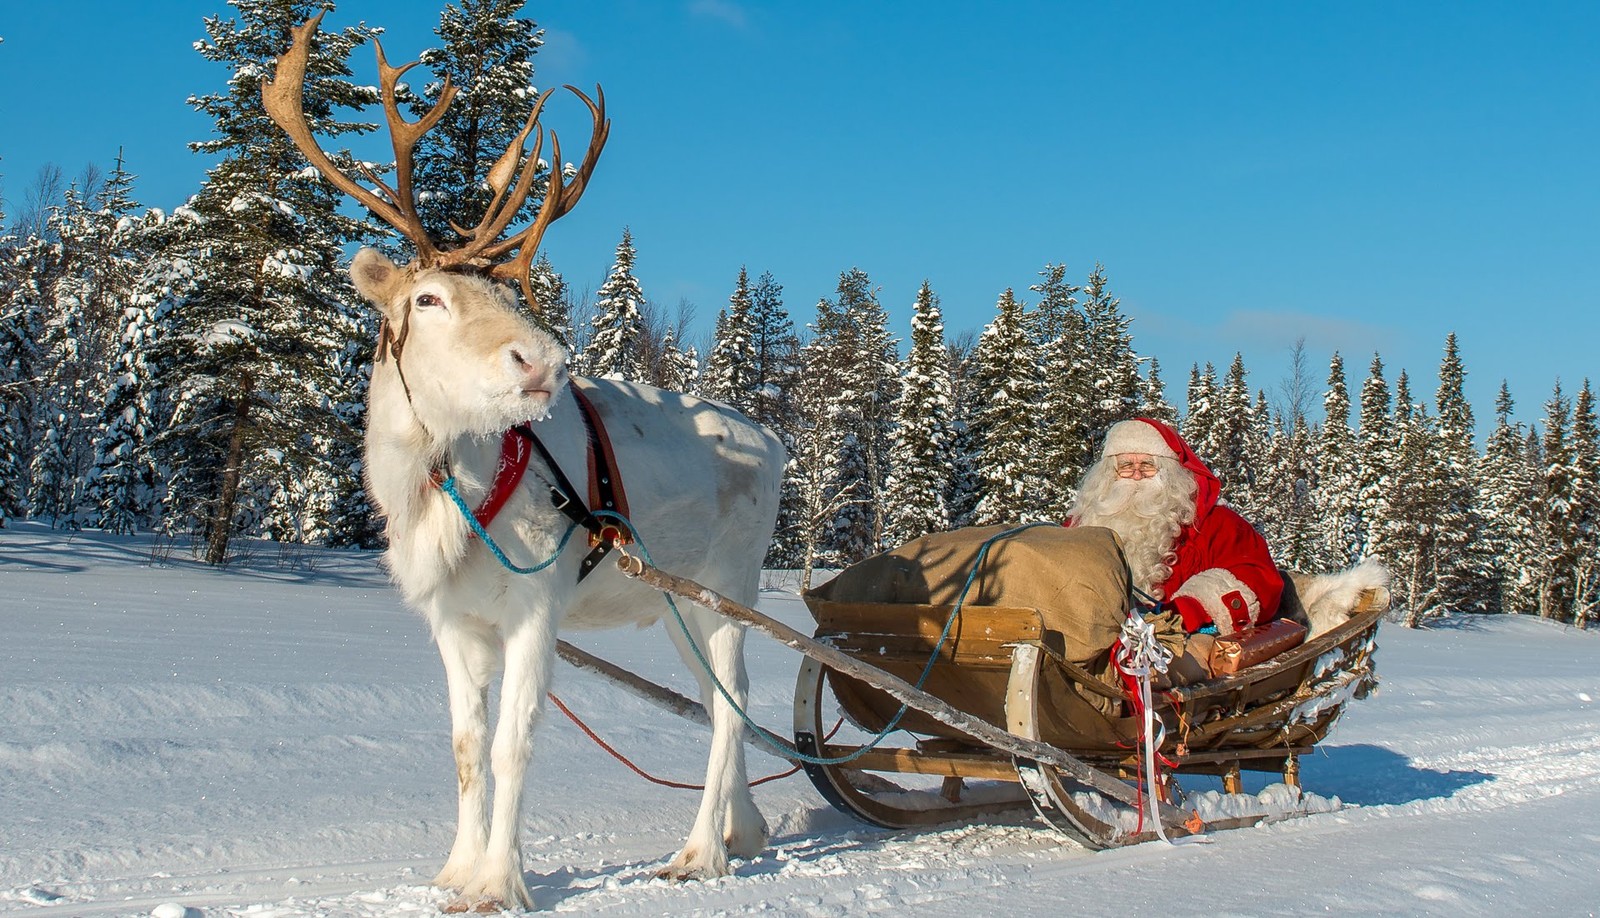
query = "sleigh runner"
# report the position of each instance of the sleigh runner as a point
(1006, 719)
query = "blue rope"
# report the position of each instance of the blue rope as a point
(779, 746)
(448, 486)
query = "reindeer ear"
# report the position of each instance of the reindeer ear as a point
(377, 278)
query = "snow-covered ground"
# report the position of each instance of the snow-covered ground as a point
(272, 740)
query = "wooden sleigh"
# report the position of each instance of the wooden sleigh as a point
(1003, 720)
(999, 666)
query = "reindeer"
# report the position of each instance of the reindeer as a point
(457, 368)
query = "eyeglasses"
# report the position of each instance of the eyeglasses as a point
(1130, 467)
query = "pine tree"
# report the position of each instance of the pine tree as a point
(488, 56)
(1460, 569)
(1227, 448)
(853, 358)
(1586, 507)
(1116, 383)
(679, 369)
(1558, 539)
(1058, 330)
(615, 350)
(1155, 404)
(254, 354)
(1405, 525)
(1375, 456)
(551, 304)
(920, 457)
(1204, 418)
(1339, 543)
(732, 369)
(1508, 489)
(1006, 427)
(31, 267)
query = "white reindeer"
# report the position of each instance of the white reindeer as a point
(458, 366)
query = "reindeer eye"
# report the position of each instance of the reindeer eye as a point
(427, 301)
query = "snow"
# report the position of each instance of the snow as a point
(272, 740)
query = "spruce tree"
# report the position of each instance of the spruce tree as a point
(487, 54)
(854, 359)
(616, 348)
(1460, 569)
(1376, 447)
(255, 352)
(1155, 404)
(1115, 381)
(732, 369)
(1508, 491)
(1338, 510)
(1586, 507)
(551, 303)
(1405, 525)
(1059, 332)
(1201, 423)
(1006, 425)
(1558, 538)
(920, 460)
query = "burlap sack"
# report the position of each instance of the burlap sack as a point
(1075, 577)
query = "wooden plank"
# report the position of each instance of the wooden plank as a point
(994, 623)
(976, 765)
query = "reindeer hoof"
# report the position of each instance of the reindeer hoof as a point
(691, 865)
(478, 905)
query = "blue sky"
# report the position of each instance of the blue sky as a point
(1369, 176)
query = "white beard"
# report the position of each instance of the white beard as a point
(1146, 514)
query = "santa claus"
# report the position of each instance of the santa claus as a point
(1184, 548)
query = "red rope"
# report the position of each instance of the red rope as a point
(662, 781)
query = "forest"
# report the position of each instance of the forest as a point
(201, 374)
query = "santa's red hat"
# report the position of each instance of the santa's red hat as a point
(1137, 436)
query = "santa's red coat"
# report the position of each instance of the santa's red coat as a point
(1224, 573)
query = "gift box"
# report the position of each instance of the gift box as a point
(1236, 651)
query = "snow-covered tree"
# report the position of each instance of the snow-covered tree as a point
(253, 354)
(1586, 507)
(1405, 525)
(552, 306)
(1337, 499)
(1005, 426)
(920, 460)
(732, 368)
(1461, 581)
(487, 54)
(1115, 367)
(1508, 489)
(1066, 412)
(1376, 447)
(679, 368)
(615, 349)
(1559, 544)
(855, 361)
(1154, 402)
(1202, 421)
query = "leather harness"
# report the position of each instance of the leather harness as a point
(605, 482)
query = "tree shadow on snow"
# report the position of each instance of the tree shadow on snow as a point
(1367, 775)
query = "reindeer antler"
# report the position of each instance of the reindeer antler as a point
(283, 98)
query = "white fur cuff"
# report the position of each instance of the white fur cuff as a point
(1210, 586)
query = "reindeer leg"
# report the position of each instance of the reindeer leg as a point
(470, 657)
(728, 819)
(529, 653)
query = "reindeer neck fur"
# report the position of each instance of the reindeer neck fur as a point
(472, 367)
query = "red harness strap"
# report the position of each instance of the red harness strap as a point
(605, 479)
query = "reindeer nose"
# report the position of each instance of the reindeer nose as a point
(535, 371)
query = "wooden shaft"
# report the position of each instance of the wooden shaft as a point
(978, 729)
